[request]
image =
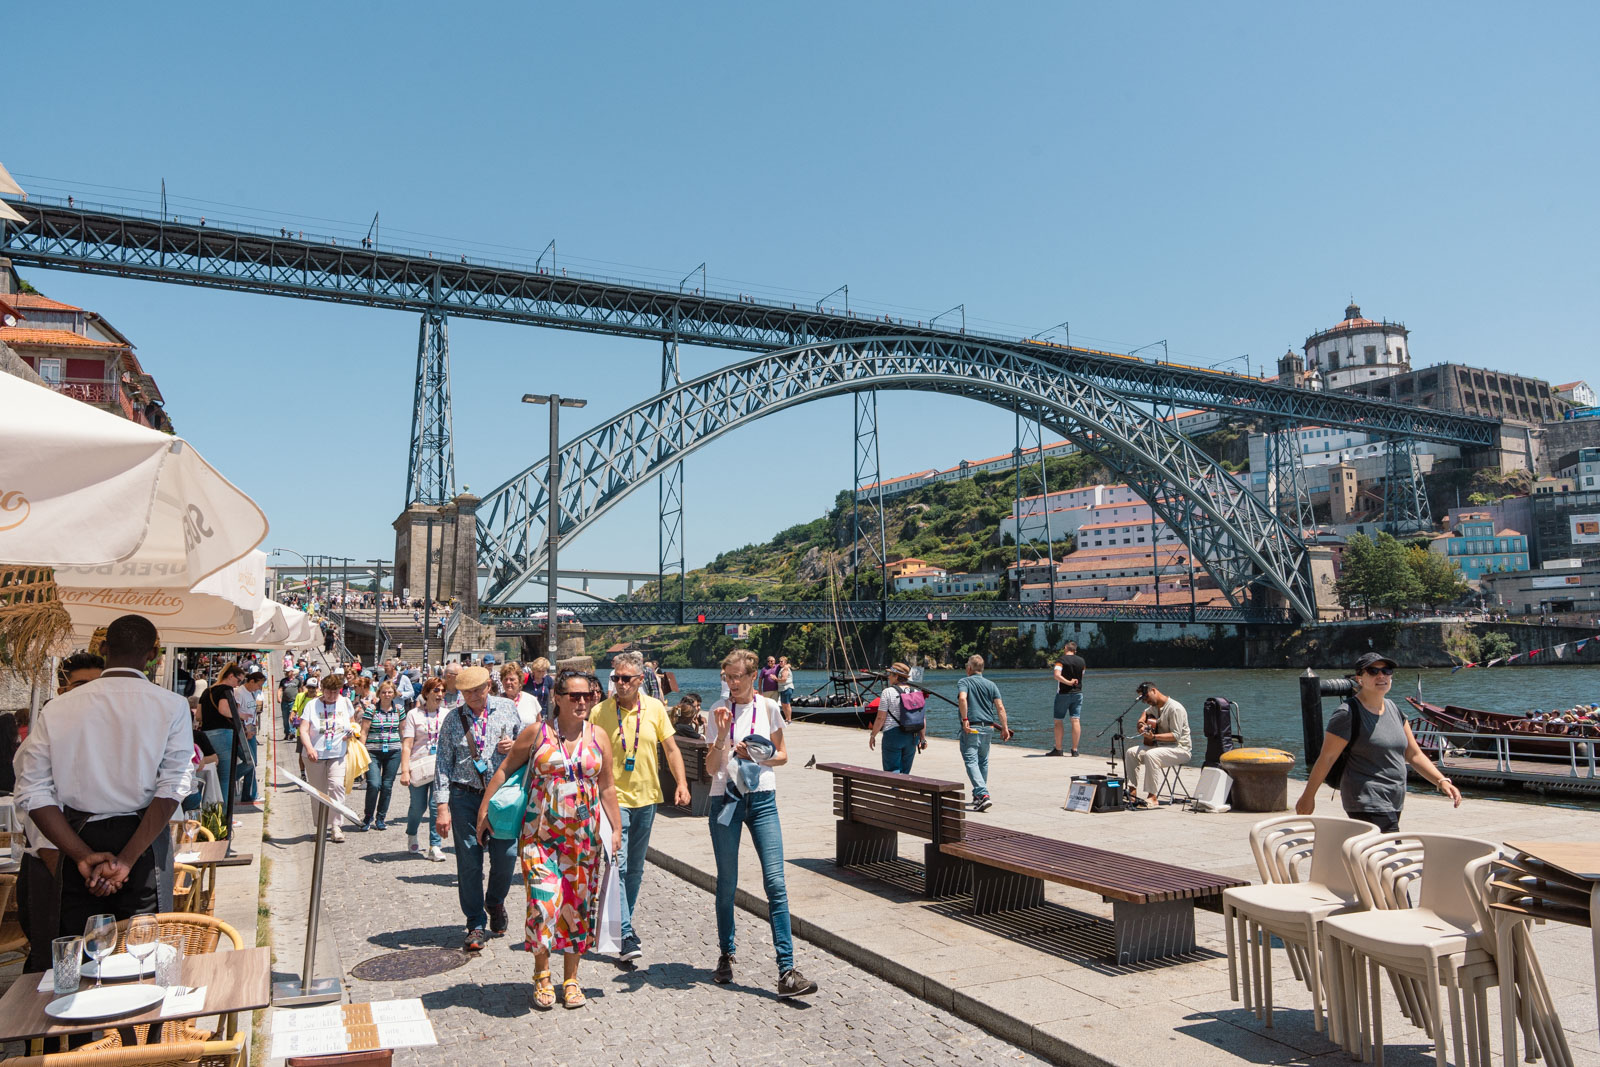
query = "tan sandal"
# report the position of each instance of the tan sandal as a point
(572, 996)
(544, 991)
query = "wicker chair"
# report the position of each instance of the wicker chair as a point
(185, 888)
(201, 933)
(229, 1053)
(13, 941)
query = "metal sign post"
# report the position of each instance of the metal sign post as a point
(308, 989)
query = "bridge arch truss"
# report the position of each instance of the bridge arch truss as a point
(1243, 544)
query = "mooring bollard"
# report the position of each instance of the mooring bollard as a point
(1312, 690)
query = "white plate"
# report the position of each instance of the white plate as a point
(122, 966)
(105, 1003)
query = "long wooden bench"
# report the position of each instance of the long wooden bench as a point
(875, 807)
(1152, 903)
(693, 750)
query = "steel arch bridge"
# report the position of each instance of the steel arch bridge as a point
(1233, 534)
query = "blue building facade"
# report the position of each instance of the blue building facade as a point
(1477, 548)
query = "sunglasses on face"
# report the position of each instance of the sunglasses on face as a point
(1375, 671)
(582, 695)
(620, 678)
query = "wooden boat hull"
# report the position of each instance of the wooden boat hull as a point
(1491, 725)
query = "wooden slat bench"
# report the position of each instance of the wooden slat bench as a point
(874, 807)
(1152, 903)
(693, 750)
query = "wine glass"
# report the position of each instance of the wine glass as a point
(142, 939)
(99, 938)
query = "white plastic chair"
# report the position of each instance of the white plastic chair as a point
(1421, 947)
(1514, 897)
(1288, 905)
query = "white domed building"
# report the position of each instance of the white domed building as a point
(1357, 350)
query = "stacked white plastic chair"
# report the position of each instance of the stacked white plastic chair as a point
(1423, 946)
(1301, 862)
(1519, 892)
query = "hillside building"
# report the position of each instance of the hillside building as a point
(1354, 350)
(1477, 547)
(1579, 394)
(79, 353)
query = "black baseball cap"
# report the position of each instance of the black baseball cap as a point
(1371, 658)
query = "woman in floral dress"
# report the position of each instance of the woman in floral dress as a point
(569, 779)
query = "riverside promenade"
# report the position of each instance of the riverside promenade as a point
(1040, 979)
(1026, 987)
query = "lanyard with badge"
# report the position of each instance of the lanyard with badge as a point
(622, 737)
(567, 788)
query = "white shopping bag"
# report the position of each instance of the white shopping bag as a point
(608, 920)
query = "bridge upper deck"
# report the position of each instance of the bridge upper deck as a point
(129, 243)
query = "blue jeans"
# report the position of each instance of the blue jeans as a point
(975, 754)
(636, 824)
(469, 861)
(222, 745)
(288, 719)
(380, 782)
(899, 749)
(422, 806)
(247, 775)
(759, 811)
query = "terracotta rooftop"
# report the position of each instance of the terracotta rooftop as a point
(34, 300)
(24, 335)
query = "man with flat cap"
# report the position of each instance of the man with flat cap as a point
(474, 738)
(101, 774)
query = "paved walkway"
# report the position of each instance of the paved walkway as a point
(378, 899)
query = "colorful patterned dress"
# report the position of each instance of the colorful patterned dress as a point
(560, 842)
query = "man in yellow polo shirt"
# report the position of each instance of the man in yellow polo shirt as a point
(638, 726)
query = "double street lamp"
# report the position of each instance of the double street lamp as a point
(556, 402)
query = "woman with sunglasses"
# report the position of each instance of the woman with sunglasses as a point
(1380, 744)
(569, 780)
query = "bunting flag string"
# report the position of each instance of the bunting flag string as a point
(1495, 662)
(1560, 650)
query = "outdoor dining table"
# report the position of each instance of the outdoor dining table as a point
(1577, 864)
(212, 854)
(235, 981)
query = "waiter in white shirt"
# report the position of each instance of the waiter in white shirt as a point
(101, 775)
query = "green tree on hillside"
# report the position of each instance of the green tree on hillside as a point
(1387, 573)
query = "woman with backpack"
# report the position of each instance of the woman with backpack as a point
(901, 721)
(1376, 742)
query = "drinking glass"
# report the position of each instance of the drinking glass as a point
(141, 940)
(66, 960)
(191, 831)
(99, 939)
(169, 961)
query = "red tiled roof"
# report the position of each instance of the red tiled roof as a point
(24, 335)
(34, 300)
(1569, 385)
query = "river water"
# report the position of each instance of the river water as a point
(1269, 700)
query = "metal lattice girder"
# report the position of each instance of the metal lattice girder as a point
(670, 492)
(1286, 483)
(1228, 530)
(866, 522)
(1031, 481)
(431, 469)
(515, 618)
(1405, 496)
(132, 244)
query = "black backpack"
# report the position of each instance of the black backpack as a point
(1336, 772)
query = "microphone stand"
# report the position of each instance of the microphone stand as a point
(1117, 761)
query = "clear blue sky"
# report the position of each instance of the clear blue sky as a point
(1225, 177)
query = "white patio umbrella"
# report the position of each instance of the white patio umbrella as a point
(111, 504)
(230, 601)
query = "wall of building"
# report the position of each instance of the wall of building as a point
(1554, 536)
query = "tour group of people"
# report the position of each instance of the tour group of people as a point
(543, 771)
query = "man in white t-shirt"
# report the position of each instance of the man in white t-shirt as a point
(744, 793)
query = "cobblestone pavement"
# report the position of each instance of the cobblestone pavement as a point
(378, 899)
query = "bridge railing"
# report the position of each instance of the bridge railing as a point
(727, 613)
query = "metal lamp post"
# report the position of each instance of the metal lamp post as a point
(377, 609)
(553, 524)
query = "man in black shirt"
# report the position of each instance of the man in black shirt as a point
(1069, 694)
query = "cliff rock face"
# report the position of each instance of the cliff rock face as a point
(813, 566)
